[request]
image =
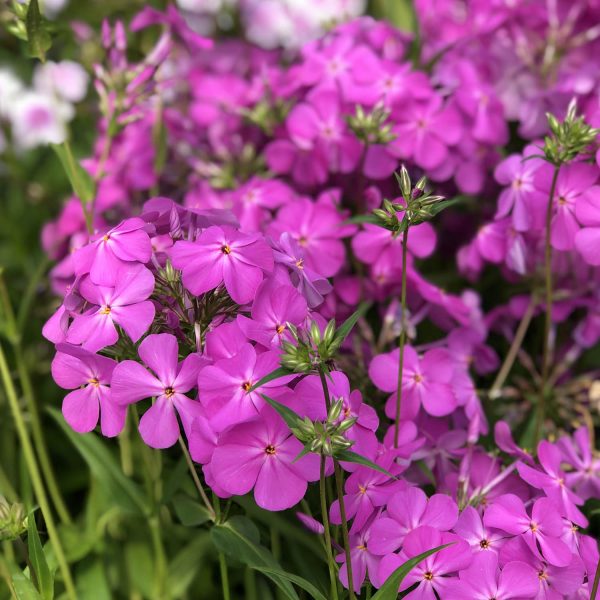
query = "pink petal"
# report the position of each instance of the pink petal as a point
(277, 486)
(158, 426)
(132, 382)
(159, 351)
(135, 319)
(81, 409)
(236, 466)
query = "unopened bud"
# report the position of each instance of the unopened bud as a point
(335, 410)
(329, 332)
(326, 448)
(346, 424)
(315, 333)
(405, 183)
(339, 442)
(13, 520)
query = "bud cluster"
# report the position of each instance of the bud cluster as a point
(13, 520)
(418, 206)
(569, 138)
(370, 127)
(310, 349)
(326, 437)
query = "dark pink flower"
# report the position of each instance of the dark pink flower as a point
(223, 255)
(259, 454)
(168, 383)
(88, 375)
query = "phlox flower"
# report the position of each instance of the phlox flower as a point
(362, 559)
(88, 375)
(168, 382)
(223, 255)
(126, 305)
(259, 454)
(577, 451)
(102, 258)
(471, 528)
(587, 239)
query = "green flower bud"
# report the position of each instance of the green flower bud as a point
(346, 424)
(13, 520)
(404, 182)
(335, 410)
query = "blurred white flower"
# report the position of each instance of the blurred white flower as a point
(67, 80)
(10, 88)
(49, 7)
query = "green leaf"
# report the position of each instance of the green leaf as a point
(349, 456)
(276, 374)
(106, 469)
(22, 586)
(81, 181)
(302, 583)
(287, 414)
(38, 38)
(43, 575)
(303, 452)
(363, 219)
(389, 590)
(159, 139)
(342, 333)
(189, 511)
(438, 207)
(232, 539)
(183, 567)
(92, 581)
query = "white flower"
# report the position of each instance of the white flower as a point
(67, 80)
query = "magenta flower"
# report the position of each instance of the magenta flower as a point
(484, 579)
(587, 239)
(88, 375)
(168, 382)
(407, 510)
(259, 454)
(471, 528)
(425, 381)
(553, 481)
(103, 258)
(126, 305)
(224, 388)
(362, 559)
(425, 130)
(274, 306)
(318, 230)
(223, 255)
(541, 531)
(224, 341)
(436, 573)
(577, 451)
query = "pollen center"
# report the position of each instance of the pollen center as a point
(533, 526)
(94, 381)
(105, 238)
(300, 263)
(270, 449)
(303, 240)
(246, 386)
(417, 378)
(428, 576)
(484, 544)
(169, 392)
(280, 329)
(225, 249)
(105, 310)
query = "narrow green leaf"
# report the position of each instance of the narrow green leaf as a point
(38, 38)
(440, 206)
(189, 511)
(342, 333)
(363, 219)
(105, 468)
(183, 567)
(232, 539)
(43, 575)
(276, 374)
(303, 452)
(302, 583)
(349, 456)
(22, 586)
(287, 414)
(81, 181)
(389, 590)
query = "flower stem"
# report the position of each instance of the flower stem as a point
(514, 348)
(224, 576)
(36, 478)
(402, 341)
(339, 481)
(596, 582)
(547, 351)
(324, 514)
(196, 479)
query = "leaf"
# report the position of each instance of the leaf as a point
(353, 457)
(307, 586)
(183, 567)
(92, 581)
(438, 207)
(342, 333)
(189, 511)
(287, 414)
(38, 38)
(105, 468)
(363, 219)
(43, 575)
(232, 538)
(22, 586)
(81, 181)
(389, 590)
(276, 374)
(159, 139)
(306, 450)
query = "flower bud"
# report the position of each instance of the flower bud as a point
(405, 183)
(346, 424)
(315, 333)
(13, 520)
(335, 410)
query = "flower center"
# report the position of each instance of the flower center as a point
(94, 381)
(543, 575)
(300, 263)
(562, 200)
(280, 329)
(247, 386)
(484, 544)
(105, 310)
(417, 378)
(362, 489)
(303, 240)
(169, 392)
(533, 526)
(225, 249)
(270, 450)
(105, 238)
(361, 547)
(428, 576)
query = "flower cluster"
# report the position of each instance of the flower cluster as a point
(239, 219)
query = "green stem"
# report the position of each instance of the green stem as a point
(547, 351)
(327, 533)
(224, 576)
(402, 342)
(160, 577)
(197, 482)
(339, 481)
(250, 584)
(596, 582)
(6, 487)
(36, 478)
(125, 450)
(514, 348)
